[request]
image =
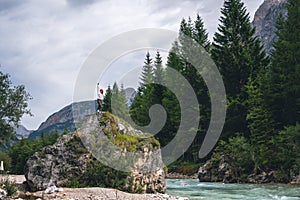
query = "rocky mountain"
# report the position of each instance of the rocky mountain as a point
(82, 158)
(63, 120)
(265, 19)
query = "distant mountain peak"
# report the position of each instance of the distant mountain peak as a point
(265, 19)
(22, 132)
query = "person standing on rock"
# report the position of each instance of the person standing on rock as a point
(100, 97)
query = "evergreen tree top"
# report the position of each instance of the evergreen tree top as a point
(147, 71)
(235, 24)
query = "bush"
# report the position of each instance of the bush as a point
(74, 183)
(9, 186)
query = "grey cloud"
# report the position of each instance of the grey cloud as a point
(6, 5)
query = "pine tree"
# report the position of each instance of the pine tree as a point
(139, 108)
(179, 59)
(200, 33)
(123, 103)
(260, 123)
(284, 86)
(157, 89)
(118, 102)
(158, 69)
(147, 71)
(238, 56)
(143, 100)
(107, 100)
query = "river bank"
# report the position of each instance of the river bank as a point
(94, 193)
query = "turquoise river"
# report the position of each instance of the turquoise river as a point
(193, 189)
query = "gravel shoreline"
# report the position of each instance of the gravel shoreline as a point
(99, 194)
(93, 193)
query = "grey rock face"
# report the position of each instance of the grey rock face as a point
(56, 164)
(265, 19)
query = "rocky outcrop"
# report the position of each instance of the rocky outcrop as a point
(224, 172)
(69, 160)
(265, 19)
(261, 177)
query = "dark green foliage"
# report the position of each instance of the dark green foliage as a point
(149, 95)
(13, 105)
(283, 95)
(260, 123)
(238, 55)
(177, 60)
(107, 100)
(147, 71)
(269, 96)
(22, 150)
(99, 175)
(158, 74)
(75, 183)
(274, 103)
(146, 92)
(237, 154)
(287, 157)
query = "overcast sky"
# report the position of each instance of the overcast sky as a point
(44, 43)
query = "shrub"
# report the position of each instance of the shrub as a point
(74, 183)
(9, 186)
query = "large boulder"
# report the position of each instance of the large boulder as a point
(57, 164)
(83, 158)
